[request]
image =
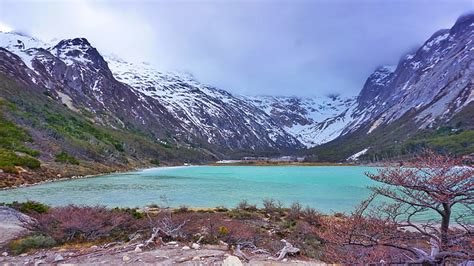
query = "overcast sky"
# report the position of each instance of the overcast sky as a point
(294, 47)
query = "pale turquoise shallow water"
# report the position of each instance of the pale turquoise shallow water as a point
(328, 189)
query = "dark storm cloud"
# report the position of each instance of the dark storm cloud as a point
(303, 48)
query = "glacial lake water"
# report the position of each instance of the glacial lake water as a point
(326, 188)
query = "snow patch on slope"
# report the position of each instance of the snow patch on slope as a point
(355, 156)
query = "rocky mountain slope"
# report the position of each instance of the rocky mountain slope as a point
(429, 89)
(212, 114)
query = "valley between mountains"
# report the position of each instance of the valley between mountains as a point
(68, 109)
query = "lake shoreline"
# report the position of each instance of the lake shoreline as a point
(123, 171)
(61, 179)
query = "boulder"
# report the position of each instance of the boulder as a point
(58, 257)
(232, 261)
(125, 258)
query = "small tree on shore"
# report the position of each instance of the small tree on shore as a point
(432, 186)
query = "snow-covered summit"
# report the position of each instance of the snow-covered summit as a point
(313, 121)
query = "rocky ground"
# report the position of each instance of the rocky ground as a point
(9, 225)
(169, 254)
(125, 253)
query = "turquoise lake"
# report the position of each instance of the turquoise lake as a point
(326, 188)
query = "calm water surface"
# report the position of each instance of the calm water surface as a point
(326, 188)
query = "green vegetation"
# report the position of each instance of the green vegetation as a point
(132, 211)
(12, 139)
(155, 162)
(444, 140)
(29, 207)
(63, 157)
(31, 242)
(9, 159)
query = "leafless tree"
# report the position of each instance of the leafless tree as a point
(430, 205)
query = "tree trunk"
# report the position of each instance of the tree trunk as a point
(445, 225)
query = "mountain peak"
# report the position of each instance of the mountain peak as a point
(76, 42)
(463, 23)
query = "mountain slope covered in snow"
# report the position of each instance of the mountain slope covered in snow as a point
(313, 121)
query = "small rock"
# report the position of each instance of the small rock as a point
(126, 258)
(58, 258)
(38, 262)
(172, 243)
(176, 246)
(284, 260)
(138, 249)
(232, 261)
(23, 255)
(195, 246)
(5, 254)
(94, 247)
(196, 258)
(186, 248)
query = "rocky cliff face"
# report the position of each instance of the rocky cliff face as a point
(435, 82)
(427, 90)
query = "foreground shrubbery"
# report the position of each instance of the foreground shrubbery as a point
(249, 225)
(31, 242)
(29, 207)
(435, 184)
(81, 224)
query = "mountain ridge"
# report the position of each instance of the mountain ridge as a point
(424, 92)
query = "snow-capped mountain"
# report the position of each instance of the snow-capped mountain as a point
(210, 113)
(173, 107)
(313, 121)
(425, 89)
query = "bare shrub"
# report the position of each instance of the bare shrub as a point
(272, 206)
(295, 211)
(311, 216)
(72, 222)
(245, 206)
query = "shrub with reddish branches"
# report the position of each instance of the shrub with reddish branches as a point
(396, 232)
(76, 223)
